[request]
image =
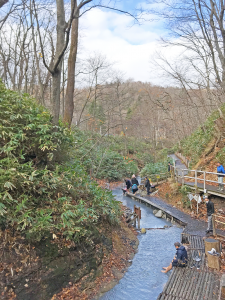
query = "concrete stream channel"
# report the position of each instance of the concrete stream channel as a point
(143, 279)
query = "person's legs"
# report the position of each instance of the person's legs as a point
(220, 181)
(167, 269)
(148, 190)
(134, 191)
(210, 226)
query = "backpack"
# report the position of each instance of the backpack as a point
(134, 186)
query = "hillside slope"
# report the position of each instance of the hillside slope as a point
(206, 145)
(56, 223)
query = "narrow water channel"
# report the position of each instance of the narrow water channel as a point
(143, 279)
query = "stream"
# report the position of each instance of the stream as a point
(143, 279)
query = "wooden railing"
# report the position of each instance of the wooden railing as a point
(183, 158)
(180, 175)
(218, 224)
(156, 177)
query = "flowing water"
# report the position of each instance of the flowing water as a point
(143, 279)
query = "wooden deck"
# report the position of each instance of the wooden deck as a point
(149, 203)
(196, 281)
(182, 171)
(211, 189)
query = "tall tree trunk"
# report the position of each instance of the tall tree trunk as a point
(56, 76)
(69, 105)
(3, 2)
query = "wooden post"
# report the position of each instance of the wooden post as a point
(182, 172)
(222, 287)
(196, 182)
(214, 261)
(197, 204)
(139, 219)
(134, 216)
(214, 225)
(204, 183)
(211, 243)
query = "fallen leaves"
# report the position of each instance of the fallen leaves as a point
(114, 264)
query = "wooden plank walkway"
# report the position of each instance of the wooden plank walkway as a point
(192, 283)
(153, 205)
(211, 189)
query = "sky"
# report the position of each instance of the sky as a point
(131, 46)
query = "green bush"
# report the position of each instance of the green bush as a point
(100, 158)
(43, 186)
(221, 156)
(155, 168)
(185, 190)
(194, 145)
(114, 166)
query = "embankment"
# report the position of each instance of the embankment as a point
(40, 271)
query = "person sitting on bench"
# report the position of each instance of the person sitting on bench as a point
(180, 258)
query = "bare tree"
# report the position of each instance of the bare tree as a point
(3, 2)
(62, 42)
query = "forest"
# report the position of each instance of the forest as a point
(72, 121)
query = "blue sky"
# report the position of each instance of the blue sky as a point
(132, 47)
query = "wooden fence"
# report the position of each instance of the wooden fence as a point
(156, 178)
(183, 158)
(218, 224)
(181, 174)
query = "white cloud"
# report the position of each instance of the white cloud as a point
(111, 34)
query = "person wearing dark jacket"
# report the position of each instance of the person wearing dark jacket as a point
(210, 212)
(147, 185)
(128, 186)
(220, 170)
(180, 258)
(135, 184)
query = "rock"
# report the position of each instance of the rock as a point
(143, 230)
(159, 214)
(117, 273)
(166, 226)
(221, 211)
(108, 286)
(155, 211)
(143, 193)
(164, 216)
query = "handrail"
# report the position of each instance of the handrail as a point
(157, 179)
(215, 221)
(157, 174)
(183, 158)
(179, 173)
